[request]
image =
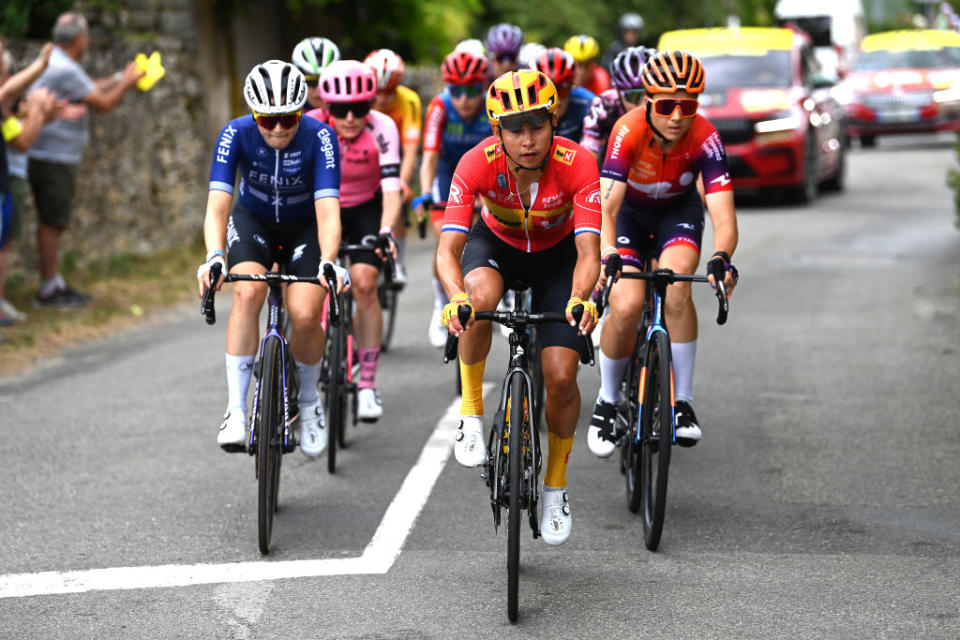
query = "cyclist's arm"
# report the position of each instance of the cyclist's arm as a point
(723, 216)
(428, 170)
(388, 142)
(585, 273)
(449, 251)
(215, 220)
(408, 165)
(612, 193)
(432, 143)
(456, 225)
(328, 227)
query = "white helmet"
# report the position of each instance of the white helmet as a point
(527, 58)
(312, 55)
(275, 87)
(472, 45)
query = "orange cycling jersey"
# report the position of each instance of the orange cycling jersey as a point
(405, 112)
(565, 199)
(655, 178)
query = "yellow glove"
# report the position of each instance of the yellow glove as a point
(588, 307)
(450, 309)
(152, 68)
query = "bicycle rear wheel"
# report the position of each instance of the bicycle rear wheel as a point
(517, 400)
(656, 438)
(335, 392)
(269, 428)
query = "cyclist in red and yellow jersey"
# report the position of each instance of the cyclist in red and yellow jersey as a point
(652, 209)
(539, 224)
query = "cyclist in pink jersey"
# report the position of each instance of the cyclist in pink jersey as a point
(370, 203)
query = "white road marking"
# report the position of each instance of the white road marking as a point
(378, 556)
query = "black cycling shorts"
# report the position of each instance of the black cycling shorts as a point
(360, 222)
(645, 234)
(292, 245)
(548, 273)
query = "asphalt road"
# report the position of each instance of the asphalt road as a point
(822, 502)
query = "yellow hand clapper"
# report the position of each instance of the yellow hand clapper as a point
(152, 68)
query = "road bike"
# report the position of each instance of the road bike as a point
(514, 460)
(337, 383)
(275, 410)
(645, 424)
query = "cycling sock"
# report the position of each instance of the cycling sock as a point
(611, 374)
(51, 286)
(471, 379)
(239, 370)
(440, 298)
(401, 247)
(684, 354)
(558, 455)
(309, 375)
(368, 368)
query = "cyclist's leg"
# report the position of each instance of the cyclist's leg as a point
(562, 410)
(436, 332)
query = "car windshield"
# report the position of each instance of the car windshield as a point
(771, 70)
(930, 59)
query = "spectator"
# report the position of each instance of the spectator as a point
(54, 157)
(20, 122)
(631, 30)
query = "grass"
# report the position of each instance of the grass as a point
(128, 290)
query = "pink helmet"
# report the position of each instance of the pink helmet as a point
(348, 81)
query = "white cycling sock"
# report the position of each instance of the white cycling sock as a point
(611, 373)
(401, 248)
(239, 371)
(309, 375)
(440, 298)
(684, 355)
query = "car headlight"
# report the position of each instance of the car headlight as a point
(781, 121)
(947, 95)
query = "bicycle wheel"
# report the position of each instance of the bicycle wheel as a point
(515, 481)
(656, 438)
(388, 302)
(536, 377)
(268, 423)
(335, 390)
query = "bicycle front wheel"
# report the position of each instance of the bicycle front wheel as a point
(656, 438)
(517, 400)
(269, 428)
(335, 392)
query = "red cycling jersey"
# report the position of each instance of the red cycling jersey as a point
(565, 199)
(655, 178)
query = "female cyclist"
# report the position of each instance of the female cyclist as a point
(312, 56)
(503, 42)
(560, 67)
(652, 208)
(455, 124)
(370, 200)
(287, 211)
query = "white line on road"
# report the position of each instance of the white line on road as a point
(378, 556)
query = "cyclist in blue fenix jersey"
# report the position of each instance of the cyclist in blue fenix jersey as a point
(287, 211)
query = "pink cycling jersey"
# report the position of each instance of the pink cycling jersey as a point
(368, 163)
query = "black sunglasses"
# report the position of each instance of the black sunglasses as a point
(514, 123)
(341, 109)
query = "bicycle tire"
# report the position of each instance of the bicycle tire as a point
(388, 302)
(334, 393)
(268, 422)
(656, 439)
(535, 358)
(515, 480)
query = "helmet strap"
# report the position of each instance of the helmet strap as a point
(543, 165)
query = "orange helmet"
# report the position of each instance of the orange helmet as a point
(671, 71)
(519, 91)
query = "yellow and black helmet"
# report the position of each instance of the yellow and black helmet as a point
(520, 91)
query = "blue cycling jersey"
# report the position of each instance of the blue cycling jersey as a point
(452, 136)
(278, 184)
(571, 124)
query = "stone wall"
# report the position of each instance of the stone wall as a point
(142, 182)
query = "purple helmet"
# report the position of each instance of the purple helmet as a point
(503, 38)
(627, 67)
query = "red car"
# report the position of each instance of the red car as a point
(777, 119)
(903, 82)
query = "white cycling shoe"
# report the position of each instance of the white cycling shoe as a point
(469, 448)
(313, 429)
(555, 519)
(233, 431)
(369, 405)
(437, 332)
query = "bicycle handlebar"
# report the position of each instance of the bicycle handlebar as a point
(519, 320)
(379, 242)
(660, 276)
(207, 308)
